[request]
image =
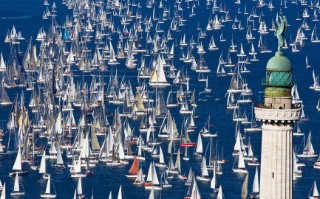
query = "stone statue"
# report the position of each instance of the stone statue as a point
(282, 26)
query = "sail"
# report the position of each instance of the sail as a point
(16, 187)
(43, 163)
(48, 191)
(237, 146)
(3, 193)
(255, 187)
(120, 193)
(204, 169)
(199, 144)
(220, 194)
(178, 161)
(241, 164)
(244, 191)
(140, 177)
(213, 180)
(134, 167)
(161, 158)
(195, 194)
(309, 147)
(315, 192)
(59, 157)
(155, 180)
(17, 164)
(79, 186)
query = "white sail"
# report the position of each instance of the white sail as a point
(120, 192)
(16, 187)
(315, 192)
(220, 193)
(48, 190)
(17, 164)
(241, 164)
(3, 193)
(43, 163)
(161, 156)
(199, 148)
(309, 146)
(213, 180)
(204, 169)
(255, 187)
(79, 186)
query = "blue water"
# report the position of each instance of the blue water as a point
(26, 16)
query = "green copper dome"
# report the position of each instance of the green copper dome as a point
(279, 63)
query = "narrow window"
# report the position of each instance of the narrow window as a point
(272, 175)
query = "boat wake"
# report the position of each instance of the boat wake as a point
(16, 18)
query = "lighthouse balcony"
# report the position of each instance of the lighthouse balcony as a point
(277, 115)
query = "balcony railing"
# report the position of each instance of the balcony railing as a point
(266, 114)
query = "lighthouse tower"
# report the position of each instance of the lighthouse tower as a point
(277, 115)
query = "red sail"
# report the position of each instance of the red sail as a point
(134, 167)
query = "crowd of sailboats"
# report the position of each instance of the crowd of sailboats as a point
(119, 84)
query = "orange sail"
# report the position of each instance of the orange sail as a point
(134, 167)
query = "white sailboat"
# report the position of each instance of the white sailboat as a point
(308, 151)
(43, 167)
(16, 189)
(314, 193)
(48, 193)
(318, 105)
(307, 62)
(152, 178)
(220, 193)
(255, 187)
(158, 77)
(241, 166)
(161, 163)
(199, 147)
(3, 192)
(140, 178)
(17, 167)
(204, 171)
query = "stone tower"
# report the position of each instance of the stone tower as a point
(277, 115)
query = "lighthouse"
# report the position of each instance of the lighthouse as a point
(277, 115)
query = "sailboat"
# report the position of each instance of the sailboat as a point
(204, 171)
(152, 178)
(16, 189)
(255, 187)
(140, 178)
(205, 131)
(17, 167)
(161, 162)
(79, 189)
(318, 105)
(193, 191)
(314, 193)
(307, 62)
(134, 170)
(3, 192)
(199, 147)
(298, 131)
(253, 125)
(213, 182)
(158, 77)
(47, 193)
(4, 99)
(220, 193)
(241, 167)
(43, 167)
(244, 191)
(308, 151)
